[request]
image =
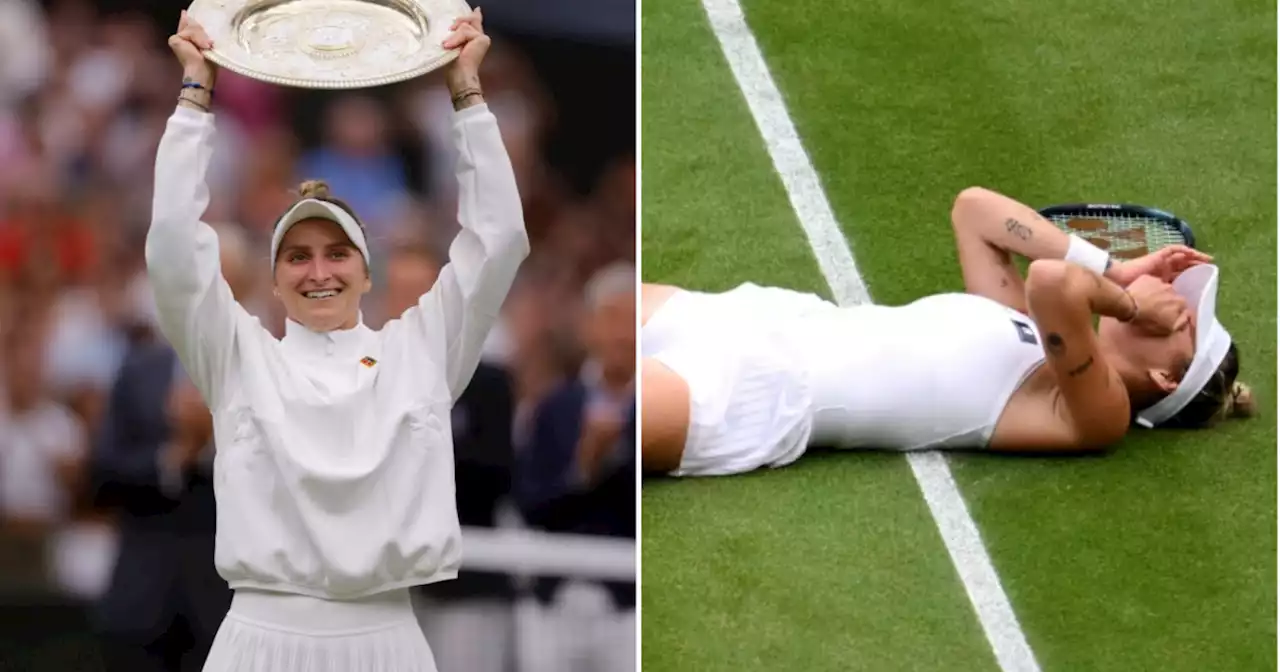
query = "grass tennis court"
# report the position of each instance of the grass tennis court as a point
(1158, 556)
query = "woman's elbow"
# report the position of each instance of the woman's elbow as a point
(160, 257)
(153, 250)
(1101, 433)
(968, 202)
(1092, 444)
(514, 245)
(1048, 273)
(1052, 279)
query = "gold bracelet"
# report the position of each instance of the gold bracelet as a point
(466, 93)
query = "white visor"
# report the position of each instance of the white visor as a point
(310, 208)
(1199, 286)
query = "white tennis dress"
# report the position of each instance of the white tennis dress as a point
(334, 467)
(773, 371)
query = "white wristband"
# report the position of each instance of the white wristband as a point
(1083, 253)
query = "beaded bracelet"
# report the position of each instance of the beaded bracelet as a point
(466, 93)
(198, 86)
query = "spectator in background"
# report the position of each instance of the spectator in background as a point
(25, 53)
(609, 373)
(42, 455)
(577, 475)
(358, 155)
(42, 443)
(153, 462)
(411, 268)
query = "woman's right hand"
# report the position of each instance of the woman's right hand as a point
(188, 45)
(1160, 310)
(1166, 263)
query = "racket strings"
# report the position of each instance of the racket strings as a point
(1124, 235)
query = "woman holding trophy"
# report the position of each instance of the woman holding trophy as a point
(334, 467)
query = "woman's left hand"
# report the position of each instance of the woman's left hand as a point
(1158, 309)
(468, 37)
(1167, 263)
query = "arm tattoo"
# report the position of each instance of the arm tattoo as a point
(1018, 228)
(1088, 364)
(1055, 345)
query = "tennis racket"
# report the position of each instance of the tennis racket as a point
(1126, 231)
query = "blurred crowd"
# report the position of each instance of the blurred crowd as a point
(92, 411)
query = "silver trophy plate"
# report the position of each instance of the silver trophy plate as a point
(329, 44)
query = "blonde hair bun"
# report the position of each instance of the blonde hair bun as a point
(315, 189)
(1242, 402)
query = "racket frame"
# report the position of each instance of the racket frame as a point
(1103, 210)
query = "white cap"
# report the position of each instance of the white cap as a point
(1199, 286)
(311, 208)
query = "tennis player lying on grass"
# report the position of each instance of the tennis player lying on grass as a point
(751, 377)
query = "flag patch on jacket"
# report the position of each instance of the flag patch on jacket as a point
(369, 362)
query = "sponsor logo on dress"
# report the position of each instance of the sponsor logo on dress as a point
(1025, 333)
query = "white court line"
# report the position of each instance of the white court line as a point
(959, 532)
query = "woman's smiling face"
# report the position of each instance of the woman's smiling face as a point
(320, 276)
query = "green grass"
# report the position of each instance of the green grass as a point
(829, 565)
(1160, 555)
(722, 212)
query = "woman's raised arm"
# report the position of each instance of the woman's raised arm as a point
(463, 305)
(197, 311)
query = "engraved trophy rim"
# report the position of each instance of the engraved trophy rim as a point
(222, 18)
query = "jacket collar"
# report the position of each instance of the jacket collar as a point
(340, 341)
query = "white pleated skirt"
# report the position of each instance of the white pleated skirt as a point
(279, 632)
(749, 396)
